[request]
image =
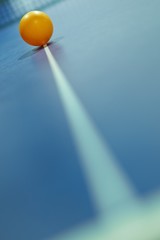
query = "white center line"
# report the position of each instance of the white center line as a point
(108, 183)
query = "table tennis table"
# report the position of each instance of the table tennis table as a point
(80, 125)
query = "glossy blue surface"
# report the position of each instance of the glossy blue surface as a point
(109, 51)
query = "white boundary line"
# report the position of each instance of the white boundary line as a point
(107, 182)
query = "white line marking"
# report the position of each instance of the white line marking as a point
(107, 182)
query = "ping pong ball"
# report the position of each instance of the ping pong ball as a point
(36, 28)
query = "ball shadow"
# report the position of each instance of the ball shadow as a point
(38, 49)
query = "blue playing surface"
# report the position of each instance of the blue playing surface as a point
(109, 52)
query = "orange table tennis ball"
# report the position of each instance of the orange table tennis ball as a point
(36, 28)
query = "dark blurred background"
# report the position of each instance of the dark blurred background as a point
(12, 10)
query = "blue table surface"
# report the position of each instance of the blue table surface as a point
(109, 51)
